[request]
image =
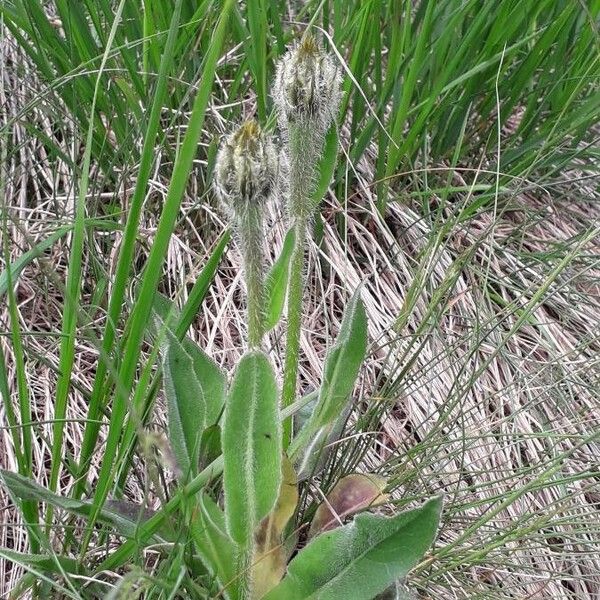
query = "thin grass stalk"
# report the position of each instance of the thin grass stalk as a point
(28, 508)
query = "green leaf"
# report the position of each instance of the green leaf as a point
(165, 310)
(314, 456)
(217, 550)
(251, 447)
(342, 365)
(361, 559)
(212, 381)
(186, 406)
(26, 489)
(54, 564)
(326, 164)
(277, 282)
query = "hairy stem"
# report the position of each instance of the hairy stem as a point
(244, 570)
(294, 322)
(250, 232)
(305, 145)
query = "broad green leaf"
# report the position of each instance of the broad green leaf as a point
(217, 550)
(209, 376)
(326, 165)
(186, 406)
(361, 559)
(349, 495)
(277, 282)
(26, 489)
(341, 368)
(212, 381)
(251, 447)
(270, 555)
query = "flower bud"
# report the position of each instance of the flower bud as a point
(307, 86)
(246, 167)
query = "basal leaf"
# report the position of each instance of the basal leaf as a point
(186, 406)
(251, 447)
(342, 365)
(26, 489)
(217, 550)
(212, 381)
(361, 559)
(270, 556)
(277, 282)
(349, 495)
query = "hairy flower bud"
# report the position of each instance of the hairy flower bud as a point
(245, 178)
(246, 167)
(307, 86)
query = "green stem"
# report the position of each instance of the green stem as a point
(244, 569)
(250, 231)
(294, 322)
(305, 145)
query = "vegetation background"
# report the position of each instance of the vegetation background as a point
(466, 201)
